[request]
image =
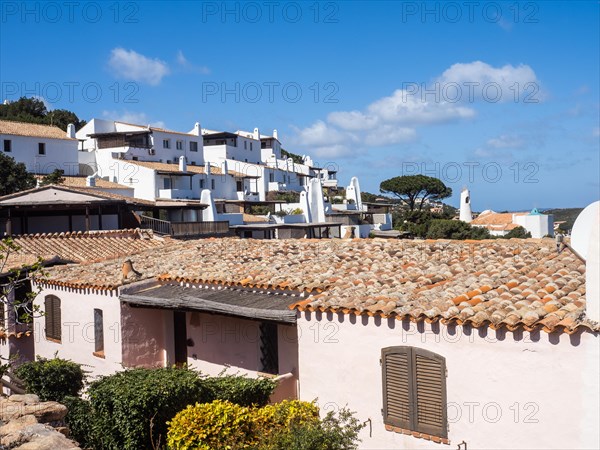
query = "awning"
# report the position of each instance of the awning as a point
(232, 302)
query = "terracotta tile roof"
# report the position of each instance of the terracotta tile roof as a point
(79, 247)
(508, 283)
(71, 181)
(32, 130)
(494, 218)
(174, 168)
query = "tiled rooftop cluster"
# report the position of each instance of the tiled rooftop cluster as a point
(32, 130)
(499, 283)
(78, 247)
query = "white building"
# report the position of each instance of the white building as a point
(42, 148)
(430, 348)
(500, 224)
(234, 166)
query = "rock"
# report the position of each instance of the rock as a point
(44, 437)
(28, 399)
(47, 411)
(10, 433)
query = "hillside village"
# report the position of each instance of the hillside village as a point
(220, 252)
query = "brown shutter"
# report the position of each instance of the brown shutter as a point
(397, 386)
(52, 317)
(430, 393)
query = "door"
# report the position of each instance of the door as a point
(180, 332)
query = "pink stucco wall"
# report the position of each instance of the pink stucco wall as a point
(143, 336)
(505, 390)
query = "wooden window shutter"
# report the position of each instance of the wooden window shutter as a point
(414, 390)
(52, 317)
(430, 414)
(397, 386)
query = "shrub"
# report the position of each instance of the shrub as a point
(52, 379)
(216, 425)
(454, 229)
(260, 210)
(517, 232)
(297, 211)
(125, 405)
(239, 389)
(79, 420)
(334, 432)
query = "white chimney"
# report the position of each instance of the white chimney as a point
(465, 206)
(90, 181)
(207, 168)
(224, 168)
(256, 134)
(71, 131)
(275, 134)
(197, 129)
(182, 164)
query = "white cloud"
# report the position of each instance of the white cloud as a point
(506, 141)
(133, 66)
(188, 66)
(478, 80)
(394, 119)
(133, 118)
(406, 108)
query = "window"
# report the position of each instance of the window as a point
(41, 148)
(414, 390)
(98, 332)
(269, 352)
(7, 145)
(250, 146)
(193, 146)
(166, 183)
(52, 317)
(245, 145)
(179, 145)
(239, 185)
(166, 143)
(202, 184)
(212, 184)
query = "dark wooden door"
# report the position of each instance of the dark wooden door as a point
(180, 332)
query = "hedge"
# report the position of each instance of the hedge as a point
(225, 425)
(52, 379)
(130, 409)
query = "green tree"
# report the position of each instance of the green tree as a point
(455, 229)
(517, 232)
(415, 189)
(55, 177)
(32, 110)
(14, 176)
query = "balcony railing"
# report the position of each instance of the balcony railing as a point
(184, 229)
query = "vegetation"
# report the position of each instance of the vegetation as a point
(296, 158)
(56, 177)
(32, 110)
(52, 379)
(16, 293)
(517, 232)
(14, 176)
(260, 210)
(414, 190)
(454, 229)
(130, 409)
(287, 197)
(289, 424)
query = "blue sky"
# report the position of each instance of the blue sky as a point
(502, 97)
